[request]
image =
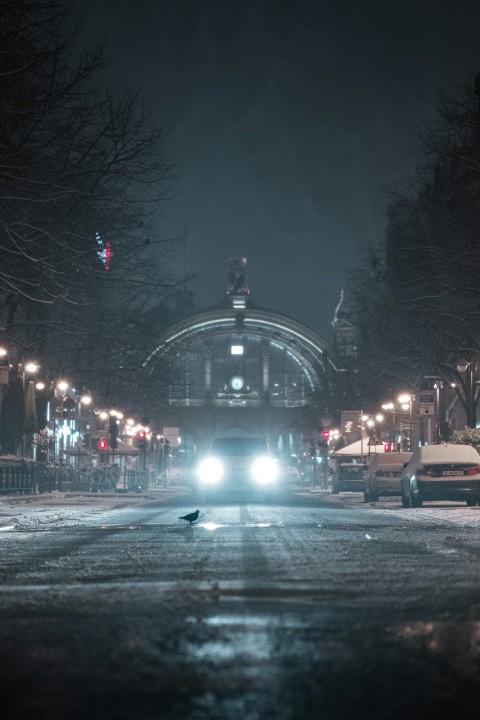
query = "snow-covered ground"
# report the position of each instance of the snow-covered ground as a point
(70, 509)
(456, 513)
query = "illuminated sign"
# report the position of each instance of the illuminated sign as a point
(105, 252)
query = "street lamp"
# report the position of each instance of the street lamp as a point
(32, 367)
(406, 401)
(389, 407)
(29, 399)
(61, 388)
(82, 421)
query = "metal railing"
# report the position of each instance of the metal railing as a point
(20, 477)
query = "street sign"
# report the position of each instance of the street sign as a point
(374, 440)
(427, 409)
(326, 421)
(426, 404)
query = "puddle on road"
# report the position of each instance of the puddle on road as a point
(252, 620)
(210, 526)
(242, 636)
(456, 640)
(258, 637)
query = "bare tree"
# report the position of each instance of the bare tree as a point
(83, 183)
(421, 310)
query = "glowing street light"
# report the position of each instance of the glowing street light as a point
(405, 401)
(32, 367)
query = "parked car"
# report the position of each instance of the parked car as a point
(441, 472)
(348, 476)
(383, 475)
(238, 465)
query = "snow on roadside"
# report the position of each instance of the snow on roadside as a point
(455, 513)
(27, 512)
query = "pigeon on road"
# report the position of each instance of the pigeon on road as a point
(191, 517)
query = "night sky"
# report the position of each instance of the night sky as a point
(286, 120)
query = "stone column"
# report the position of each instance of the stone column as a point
(265, 368)
(207, 368)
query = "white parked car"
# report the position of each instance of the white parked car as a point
(442, 472)
(383, 475)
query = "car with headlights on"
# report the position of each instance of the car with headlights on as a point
(238, 465)
(383, 475)
(441, 472)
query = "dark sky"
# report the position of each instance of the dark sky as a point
(286, 120)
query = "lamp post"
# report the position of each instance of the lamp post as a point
(30, 420)
(442, 427)
(390, 408)
(114, 418)
(467, 369)
(406, 401)
(84, 400)
(60, 394)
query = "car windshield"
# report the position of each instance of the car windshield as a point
(239, 446)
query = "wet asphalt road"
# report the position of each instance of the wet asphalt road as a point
(312, 607)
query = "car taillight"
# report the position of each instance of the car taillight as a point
(474, 470)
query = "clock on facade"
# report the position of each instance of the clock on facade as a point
(237, 383)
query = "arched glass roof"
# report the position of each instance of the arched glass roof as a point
(303, 345)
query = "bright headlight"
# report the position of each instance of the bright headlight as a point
(265, 470)
(210, 470)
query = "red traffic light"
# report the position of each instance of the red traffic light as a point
(102, 444)
(141, 435)
(326, 434)
(387, 447)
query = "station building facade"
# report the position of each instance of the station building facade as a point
(241, 370)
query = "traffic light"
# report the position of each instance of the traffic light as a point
(387, 447)
(102, 444)
(326, 434)
(142, 439)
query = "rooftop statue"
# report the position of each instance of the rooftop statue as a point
(237, 277)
